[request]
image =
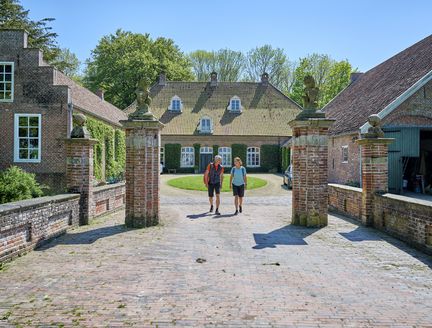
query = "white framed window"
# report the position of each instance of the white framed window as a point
(235, 104)
(27, 138)
(253, 157)
(187, 157)
(344, 154)
(6, 81)
(206, 150)
(162, 156)
(176, 104)
(225, 152)
(206, 125)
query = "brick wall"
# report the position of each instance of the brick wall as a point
(338, 171)
(405, 218)
(109, 198)
(26, 224)
(345, 200)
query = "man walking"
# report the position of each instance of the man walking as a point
(213, 179)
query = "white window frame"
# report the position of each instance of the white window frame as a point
(184, 154)
(231, 107)
(162, 156)
(253, 151)
(172, 107)
(345, 154)
(206, 150)
(210, 129)
(16, 139)
(226, 154)
(12, 81)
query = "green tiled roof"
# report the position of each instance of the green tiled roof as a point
(265, 110)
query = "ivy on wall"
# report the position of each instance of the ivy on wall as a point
(285, 158)
(172, 156)
(270, 158)
(113, 142)
(197, 148)
(239, 150)
(215, 150)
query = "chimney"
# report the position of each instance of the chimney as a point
(213, 79)
(264, 78)
(162, 79)
(100, 94)
(355, 76)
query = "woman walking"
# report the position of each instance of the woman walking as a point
(238, 183)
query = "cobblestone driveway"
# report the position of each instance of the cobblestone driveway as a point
(258, 272)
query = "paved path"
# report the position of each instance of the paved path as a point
(258, 272)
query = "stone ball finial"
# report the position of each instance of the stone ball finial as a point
(80, 131)
(374, 130)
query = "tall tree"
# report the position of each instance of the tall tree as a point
(227, 63)
(330, 77)
(67, 62)
(266, 59)
(13, 15)
(122, 59)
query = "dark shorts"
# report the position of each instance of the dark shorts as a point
(212, 188)
(238, 190)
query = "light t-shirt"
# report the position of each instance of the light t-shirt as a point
(238, 175)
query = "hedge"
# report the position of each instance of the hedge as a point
(270, 158)
(115, 149)
(172, 156)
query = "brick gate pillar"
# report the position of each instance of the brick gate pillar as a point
(309, 166)
(142, 164)
(374, 166)
(79, 167)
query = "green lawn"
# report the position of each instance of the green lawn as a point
(195, 182)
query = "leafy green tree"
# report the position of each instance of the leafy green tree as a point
(67, 62)
(14, 16)
(229, 64)
(122, 59)
(330, 77)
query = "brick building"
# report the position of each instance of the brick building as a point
(36, 106)
(399, 90)
(216, 115)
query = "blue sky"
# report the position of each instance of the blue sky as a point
(364, 32)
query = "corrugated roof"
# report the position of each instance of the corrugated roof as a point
(88, 102)
(378, 87)
(266, 111)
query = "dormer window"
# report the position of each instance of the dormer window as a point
(176, 104)
(235, 104)
(206, 125)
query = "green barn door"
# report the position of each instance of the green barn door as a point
(395, 175)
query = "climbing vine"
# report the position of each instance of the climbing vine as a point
(113, 141)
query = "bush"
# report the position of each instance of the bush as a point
(172, 156)
(270, 158)
(16, 184)
(197, 148)
(215, 150)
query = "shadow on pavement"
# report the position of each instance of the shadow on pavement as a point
(199, 216)
(288, 235)
(82, 238)
(362, 233)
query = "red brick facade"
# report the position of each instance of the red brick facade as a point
(340, 171)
